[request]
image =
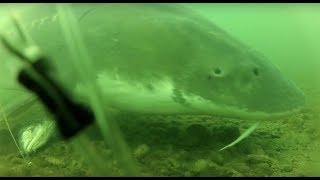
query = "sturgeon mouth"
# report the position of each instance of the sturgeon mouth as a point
(208, 107)
(259, 115)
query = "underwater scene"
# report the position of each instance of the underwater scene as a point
(186, 89)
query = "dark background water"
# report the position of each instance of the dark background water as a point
(289, 34)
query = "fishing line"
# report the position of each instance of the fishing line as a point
(7, 123)
(81, 61)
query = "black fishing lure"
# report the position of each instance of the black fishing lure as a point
(71, 117)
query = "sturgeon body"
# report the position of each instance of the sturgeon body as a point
(162, 59)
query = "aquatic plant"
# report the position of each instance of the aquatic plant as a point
(9, 129)
(35, 136)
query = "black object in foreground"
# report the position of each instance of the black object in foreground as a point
(71, 117)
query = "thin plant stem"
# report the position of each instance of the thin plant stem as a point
(14, 140)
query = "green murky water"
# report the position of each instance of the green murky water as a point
(128, 140)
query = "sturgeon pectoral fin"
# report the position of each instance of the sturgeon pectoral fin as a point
(244, 135)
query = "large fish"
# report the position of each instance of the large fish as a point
(165, 59)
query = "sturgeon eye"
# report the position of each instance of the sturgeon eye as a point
(256, 71)
(217, 71)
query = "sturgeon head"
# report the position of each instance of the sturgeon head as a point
(169, 60)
